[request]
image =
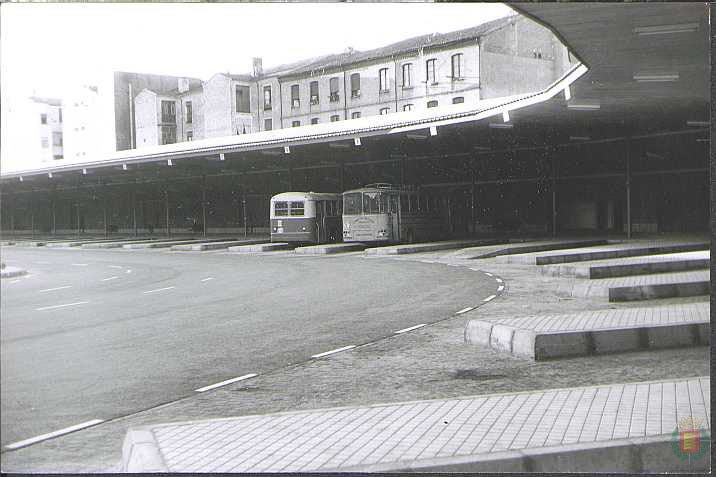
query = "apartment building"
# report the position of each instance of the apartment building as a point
(503, 57)
(85, 125)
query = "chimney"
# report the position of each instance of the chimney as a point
(258, 67)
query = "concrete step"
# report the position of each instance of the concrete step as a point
(10, 272)
(262, 247)
(632, 249)
(426, 247)
(595, 332)
(606, 428)
(529, 247)
(103, 245)
(639, 287)
(167, 243)
(80, 242)
(214, 245)
(330, 248)
(640, 265)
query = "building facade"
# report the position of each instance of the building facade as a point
(504, 57)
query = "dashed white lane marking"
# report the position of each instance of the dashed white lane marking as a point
(158, 290)
(454, 265)
(500, 288)
(53, 289)
(61, 306)
(499, 280)
(428, 261)
(320, 355)
(489, 298)
(475, 269)
(79, 264)
(109, 278)
(464, 310)
(15, 281)
(115, 266)
(224, 383)
(50, 435)
(405, 330)
(207, 279)
(128, 271)
(488, 274)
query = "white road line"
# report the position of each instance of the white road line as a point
(404, 330)
(475, 269)
(489, 298)
(115, 266)
(320, 355)
(158, 290)
(454, 265)
(60, 306)
(53, 289)
(428, 261)
(109, 278)
(207, 279)
(79, 264)
(488, 274)
(499, 280)
(464, 310)
(128, 271)
(224, 383)
(50, 435)
(14, 281)
(500, 288)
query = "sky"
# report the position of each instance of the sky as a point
(46, 48)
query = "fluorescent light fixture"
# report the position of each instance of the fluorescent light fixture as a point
(666, 29)
(356, 141)
(501, 126)
(481, 148)
(286, 150)
(221, 156)
(169, 162)
(584, 106)
(697, 124)
(433, 131)
(84, 172)
(567, 93)
(656, 77)
(22, 179)
(506, 116)
(269, 152)
(579, 138)
(701, 139)
(338, 145)
(124, 167)
(416, 136)
(49, 174)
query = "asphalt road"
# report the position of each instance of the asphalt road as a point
(98, 334)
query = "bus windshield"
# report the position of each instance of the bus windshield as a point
(374, 203)
(352, 204)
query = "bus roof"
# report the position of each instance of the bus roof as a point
(383, 187)
(306, 196)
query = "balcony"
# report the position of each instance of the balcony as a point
(295, 103)
(355, 94)
(314, 100)
(334, 98)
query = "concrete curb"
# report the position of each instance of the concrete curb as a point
(619, 253)
(208, 245)
(140, 452)
(636, 455)
(613, 271)
(261, 247)
(545, 345)
(428, 247)
(665, 290)
(10, 272)
(330, 248)
(539, 248)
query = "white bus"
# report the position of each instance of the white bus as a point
(306, 217)
(388, 213)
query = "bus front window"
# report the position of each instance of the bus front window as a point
(352, 204)
(280, 209)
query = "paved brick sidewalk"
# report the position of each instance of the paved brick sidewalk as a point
(356, 438)
(614, 318)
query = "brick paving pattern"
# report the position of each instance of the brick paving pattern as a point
(336, 439)
(609, 319)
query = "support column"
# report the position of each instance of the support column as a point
(243, 205)
(77, 207)
(54, 214)
(402, 171)
(166, 209)
(473, 191)
(554, 195)
(341, 175)
(628, 188)
(290, 178)
(104, 216)
(32, 216)
(134, 211)
(203, 206)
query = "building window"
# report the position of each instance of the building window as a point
(45, 143)
(430, 71)
(314, 121)
(383, 80)
(57, 157)
(355, 85)
(295, 99)
(408, 107)
(295, 124)
(355, 115)
(43, 118)
(432, 104)
(268, 124)
(267, 98)
(384, 111)
(408, 75)
(188, 112)
(334, 90)
(242, 99)
(335, 118)
(169, 114)
(57, 138)
(457, 66)
(169, 135)
(314, 92)
(458, 100)
(190, 135)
